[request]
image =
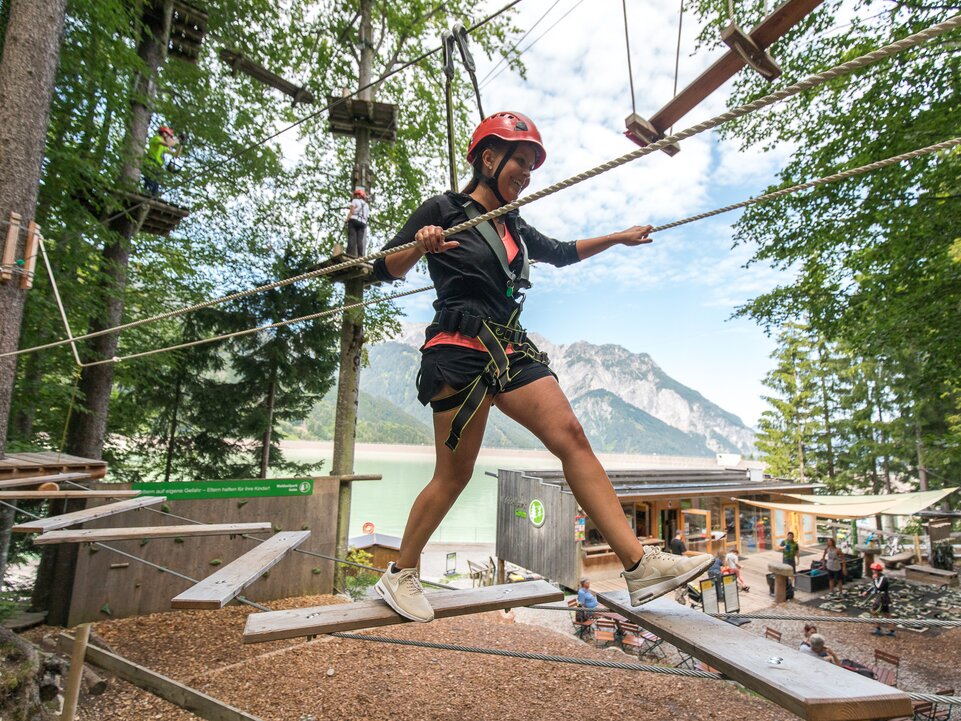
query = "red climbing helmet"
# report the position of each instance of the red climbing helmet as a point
(510, 126)
(164, 130)
(360, 193)
(877, 567)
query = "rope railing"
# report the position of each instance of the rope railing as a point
(807, 83)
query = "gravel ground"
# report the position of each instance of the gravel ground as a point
(337, 678)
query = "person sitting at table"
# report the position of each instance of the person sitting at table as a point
(586, 600)
(733, 564)
(816, 647)
(677, 544)
(809, 628)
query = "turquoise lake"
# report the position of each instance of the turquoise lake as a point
(406, 470)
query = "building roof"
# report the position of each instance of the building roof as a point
(374, 539)
(673, 482)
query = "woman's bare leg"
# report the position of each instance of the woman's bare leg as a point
(452, 471)
(543, 409)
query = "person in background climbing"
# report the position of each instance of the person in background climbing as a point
(357, 218)
(880, 589)
(477, 354)
(160, 145)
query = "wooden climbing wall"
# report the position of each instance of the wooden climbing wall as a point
(102, 582)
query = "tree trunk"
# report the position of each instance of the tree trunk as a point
(269, 425)
(172, 438)
(826, 411)
(88, 426)
(28, 68)
(352, 325)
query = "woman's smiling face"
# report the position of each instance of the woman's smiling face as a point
(516, 174)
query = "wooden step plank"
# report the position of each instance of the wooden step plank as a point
(274, 625)
(42, 525)
(810, 687)
(217, 590)
(66, 495)
(53, 478)
(89, 535)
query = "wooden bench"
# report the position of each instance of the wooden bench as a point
(929, 574)
(897, 559)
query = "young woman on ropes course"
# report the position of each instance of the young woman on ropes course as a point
(476, 354)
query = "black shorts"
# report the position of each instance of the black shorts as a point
(836, 575)
(458, 367)
(881, 605)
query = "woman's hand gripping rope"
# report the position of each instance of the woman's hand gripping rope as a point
(430, 239)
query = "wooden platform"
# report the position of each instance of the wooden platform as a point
(37, 480)
(188, 28)
(42, 525)
(218, 590)
(348, 114)
(275, 625)
(66, 495)
(809, 687)
(90, 535)
(21, 465)
(159, 217)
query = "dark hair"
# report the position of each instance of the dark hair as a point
(492, 143)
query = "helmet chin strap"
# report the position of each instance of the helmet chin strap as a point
(494, 180)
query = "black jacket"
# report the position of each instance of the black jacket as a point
(469, 278)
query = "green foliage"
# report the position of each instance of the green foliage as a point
(358, 580)
(871, 261)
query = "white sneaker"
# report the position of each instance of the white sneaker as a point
(403, 593)
(659, 573)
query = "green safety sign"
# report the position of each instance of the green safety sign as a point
(241, 488)
(536, 513)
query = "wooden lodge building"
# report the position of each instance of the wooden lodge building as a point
(541, 528)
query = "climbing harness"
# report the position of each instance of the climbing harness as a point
(497, 340)
(516, 282)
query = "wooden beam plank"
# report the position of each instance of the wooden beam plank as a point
(90, 535)
(42, 525)
(217, 590)
(37, 480)
(810, 687)
(46, 495)
(274, 625)
(772, 28)
(204, 706)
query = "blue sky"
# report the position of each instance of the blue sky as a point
(673, 299)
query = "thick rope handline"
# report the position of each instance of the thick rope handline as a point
(248, 331)
(138, 559)
(843, 175)
(297, 123)
(649, 668)
(935, 699)
(805, 84)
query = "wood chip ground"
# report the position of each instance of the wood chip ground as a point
(330, 678)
